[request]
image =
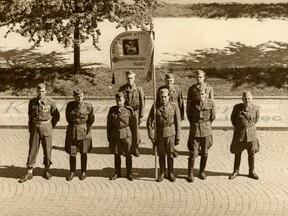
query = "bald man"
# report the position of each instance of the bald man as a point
(244, 118)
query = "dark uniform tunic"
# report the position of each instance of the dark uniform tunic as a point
(121, 130)
(245, 137)
(168, 123)
(80, 118)
(175, 96)
(200, 116)
(43, 117)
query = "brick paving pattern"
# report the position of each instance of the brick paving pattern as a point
(96, 195)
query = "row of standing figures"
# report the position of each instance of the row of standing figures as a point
(163, 127)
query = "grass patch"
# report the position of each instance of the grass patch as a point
(97, 81)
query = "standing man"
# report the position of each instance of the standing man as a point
(43, 117)
(175, 93)
(121, 134)
(244, 118)
(134, 97)
(80, 117)
(200, 114)
(167, 133)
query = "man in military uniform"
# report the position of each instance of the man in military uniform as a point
(167, 133)
(134, 97)
(244, 118)
(43, 117)
(175, 93)
(121, 134)
(80, 117)
(200, 114)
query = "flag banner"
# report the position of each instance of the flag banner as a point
(132, 50)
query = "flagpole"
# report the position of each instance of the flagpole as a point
(154, 107)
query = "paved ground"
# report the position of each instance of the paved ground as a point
(98, 196)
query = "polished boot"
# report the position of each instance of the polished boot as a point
(72, 162)
(26, 177)
(117, 164)
(203, 162)
(171, 176)
(251, 162)
(237, 162)
(162, 171)
(83, 166)
(129, 168)
(191, 161)
(47, 174)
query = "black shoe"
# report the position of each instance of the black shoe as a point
(234, 175)
(25, 178)
(171, 178)
(160, 178)
(47, 175)
(190, 178)
(83, 176)
(129, 177)
(253, 175)
(202, 175)
(117, 175)
(70, 177)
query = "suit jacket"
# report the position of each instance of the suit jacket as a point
(201, 118)
(134, 97)
(175, 96)
(168, 121)
(244, 121)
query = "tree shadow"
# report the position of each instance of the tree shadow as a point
(265, 64)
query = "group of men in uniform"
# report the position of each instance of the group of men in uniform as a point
(163, 127)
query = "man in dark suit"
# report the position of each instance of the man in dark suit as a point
(201, 114)
(244, 118)
(43, 117)
(121, 134)
(167, 133)
(80, 117)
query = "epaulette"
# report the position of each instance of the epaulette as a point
(173, 103)
(49, 99)
(88, 103)
(129, 108)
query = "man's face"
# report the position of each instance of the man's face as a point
(41, 93)
(120, 101)
(201, 95)
(130, 79)
(164, 97)
(247, 99)
(200, 78)
(79, 98)
(169, 82)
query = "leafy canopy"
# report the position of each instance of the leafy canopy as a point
(47, 20)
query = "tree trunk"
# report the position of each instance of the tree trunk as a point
(76, 49)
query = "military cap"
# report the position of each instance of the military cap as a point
(77, 91)
(41, 86)
(164, 90)
(200, 72)
(246, 93)
(169, 76)
(128, 73)
(119, 94)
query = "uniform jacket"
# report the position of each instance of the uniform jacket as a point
(134, 97)
(175, 96)
(80, 118)
(42, 110)
(201, 118)
(191, 97)
(244, 121)
(168, 121)
(121, 124)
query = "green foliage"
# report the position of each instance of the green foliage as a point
(46, 20)
(224, 10)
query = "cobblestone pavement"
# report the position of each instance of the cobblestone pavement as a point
(96, 195)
